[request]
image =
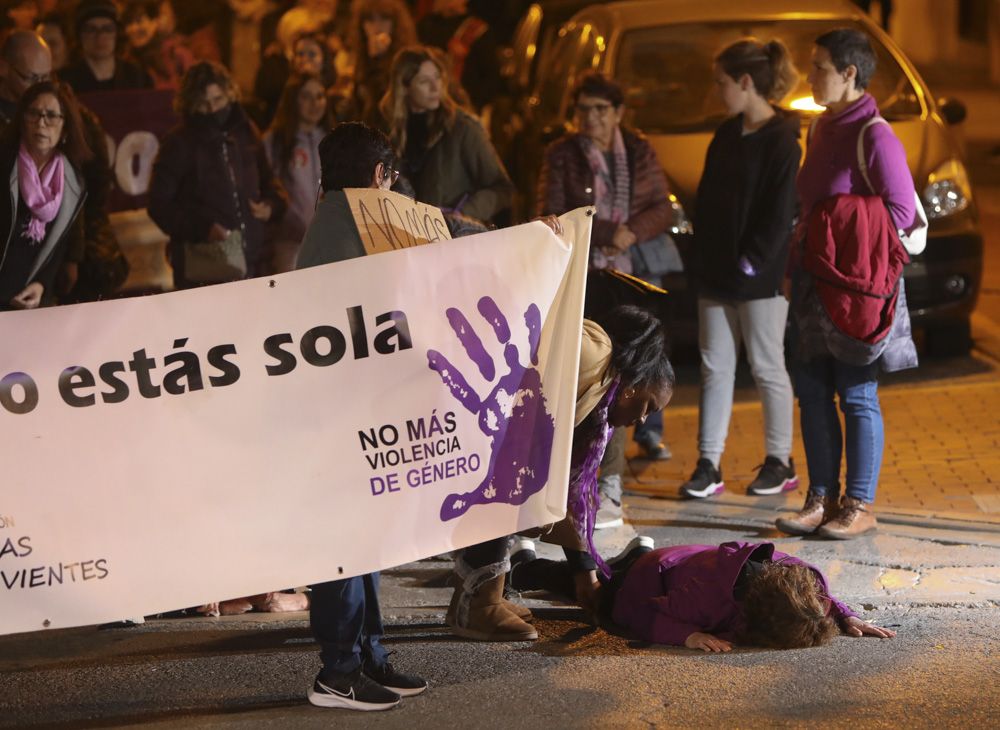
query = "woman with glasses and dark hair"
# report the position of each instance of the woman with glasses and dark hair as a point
(606, 165)
(211, 181)
(42, 153)
(444, 151)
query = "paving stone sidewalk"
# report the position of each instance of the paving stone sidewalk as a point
(942, 454)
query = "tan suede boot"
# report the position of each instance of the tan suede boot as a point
(487, 618)
(519, 610)
(817, 510)
(855, 518)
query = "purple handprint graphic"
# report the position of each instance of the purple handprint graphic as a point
(513, 414)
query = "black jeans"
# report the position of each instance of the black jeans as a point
(556, 576)
(346, 620)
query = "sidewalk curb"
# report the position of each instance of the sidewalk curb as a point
(909, 518)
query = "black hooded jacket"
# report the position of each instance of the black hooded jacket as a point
(746, 206)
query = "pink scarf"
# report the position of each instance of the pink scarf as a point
(42, 193)
(612, 190)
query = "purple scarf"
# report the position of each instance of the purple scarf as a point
(583, 497)
(611, 192)
(42, 193)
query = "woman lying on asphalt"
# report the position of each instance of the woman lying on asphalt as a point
(706, 597)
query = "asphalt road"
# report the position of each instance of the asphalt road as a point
(939, 589)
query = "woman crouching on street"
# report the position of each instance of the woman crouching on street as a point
(624, 376)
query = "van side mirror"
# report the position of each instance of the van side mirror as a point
(953, 110)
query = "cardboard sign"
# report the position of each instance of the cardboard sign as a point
(388, 221)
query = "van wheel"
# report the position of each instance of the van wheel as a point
(949, 340)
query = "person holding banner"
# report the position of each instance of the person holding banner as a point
(344, 614)
(212, 189)
(42, 154)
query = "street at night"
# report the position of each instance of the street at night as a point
(340, 399)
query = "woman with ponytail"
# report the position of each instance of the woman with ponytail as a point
(745, 211)
(624, 376)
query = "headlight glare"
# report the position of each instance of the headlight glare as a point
(948, 191)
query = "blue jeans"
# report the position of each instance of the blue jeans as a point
(347, 622)
(856, 387)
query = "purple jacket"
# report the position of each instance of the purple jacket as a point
(672, 592)
(831, 164)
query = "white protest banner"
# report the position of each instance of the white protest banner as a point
(388, 221)
(163, 452)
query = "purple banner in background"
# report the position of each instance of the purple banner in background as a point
(134, 122)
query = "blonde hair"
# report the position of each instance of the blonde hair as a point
(769, 65)
(405, 66)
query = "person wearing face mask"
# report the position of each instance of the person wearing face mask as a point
(446, 154)
(164, 57)
(98, 66)
(211, 181)
(292, 145)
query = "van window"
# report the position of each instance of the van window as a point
(579, 48)
(666, 72)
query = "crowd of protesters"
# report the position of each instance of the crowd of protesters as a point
(281, 106)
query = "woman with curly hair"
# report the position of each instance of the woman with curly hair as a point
(708, 597)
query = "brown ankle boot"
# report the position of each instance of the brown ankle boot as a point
(519, 610)
(487, 618)
(816, 511)
(855, 518)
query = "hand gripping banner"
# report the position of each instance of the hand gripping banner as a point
(168, 451)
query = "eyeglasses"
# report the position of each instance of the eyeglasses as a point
(31, 79)
(37, 115)
(585, 109)
(389, 173)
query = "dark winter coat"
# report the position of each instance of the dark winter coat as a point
(127, 76)
(566, 183)
(63, 233)
(746, 206)
(191, 188)
(462, 170)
